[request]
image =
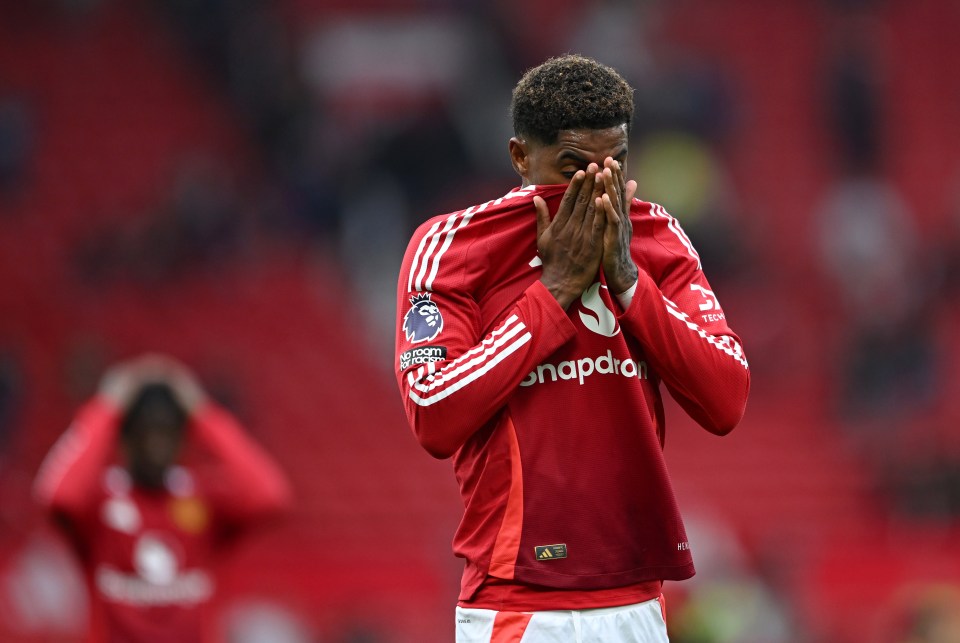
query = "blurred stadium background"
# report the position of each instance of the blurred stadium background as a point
(234, 181)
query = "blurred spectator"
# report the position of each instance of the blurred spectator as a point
(414, 145)
(371, 247)
(686, 93)
(870, 255)
(947, 245)
(853, 91)
(923, 476)
(686, 111)
(264, 622)
(361, 633)
(727, 601)
(734, 609)
(556, 23)
(868, 242)
(618, 32)
(867, 239)
(200, 224)
(682, 172)
(204, 209)
(16, 142)
(42, 592)
(206, 27)
(11, 384)
(147, 529)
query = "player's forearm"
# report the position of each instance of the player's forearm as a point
(708, 374)
(252, 472)
(69, 475)
(447, 401)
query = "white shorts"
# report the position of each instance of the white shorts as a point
(637, 623)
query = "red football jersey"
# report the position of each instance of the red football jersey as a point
(554, 418)
(148, 554)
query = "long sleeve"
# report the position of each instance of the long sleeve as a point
(447, 400)
(684, 333)
(70, 474)
(456, 368)
(251, 482)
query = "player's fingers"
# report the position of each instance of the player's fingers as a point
(609, 210)
(630, 191)
(598, 222)
(598, 186)
(590, 210)
(585, 196)
(569, 201)
(152, 367)
(597, 217)
(602, 216)
(543, 215)
(613, 164)
(620, 181)
(610, 186)
(598, 189)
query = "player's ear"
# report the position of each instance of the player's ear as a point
(519, 156)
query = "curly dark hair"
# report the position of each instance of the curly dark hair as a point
(569, 92)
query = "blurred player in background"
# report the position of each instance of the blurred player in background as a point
(147, 529)
(531, 347)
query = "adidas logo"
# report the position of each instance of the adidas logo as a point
(550, 552)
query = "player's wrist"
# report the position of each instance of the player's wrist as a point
(563, 293)
(623, 280)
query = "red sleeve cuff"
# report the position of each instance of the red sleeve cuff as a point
(554, 316)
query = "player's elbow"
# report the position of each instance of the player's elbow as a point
(724, 426)
(721, 420)
(52, 496)
(438, 447)
(729, 411)
(438, 433)
(439, 440)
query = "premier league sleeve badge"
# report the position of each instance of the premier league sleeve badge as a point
(423, 322)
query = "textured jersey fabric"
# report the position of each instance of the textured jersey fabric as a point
(149, 555)
(554, 418)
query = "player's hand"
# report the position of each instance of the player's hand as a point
(185, 386)
(123, 381)
(121, 384)
(618, 265)
(571, 246)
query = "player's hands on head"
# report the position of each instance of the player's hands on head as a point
(618, 265)
(571, 246)
(122, 382)
(185, 386)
